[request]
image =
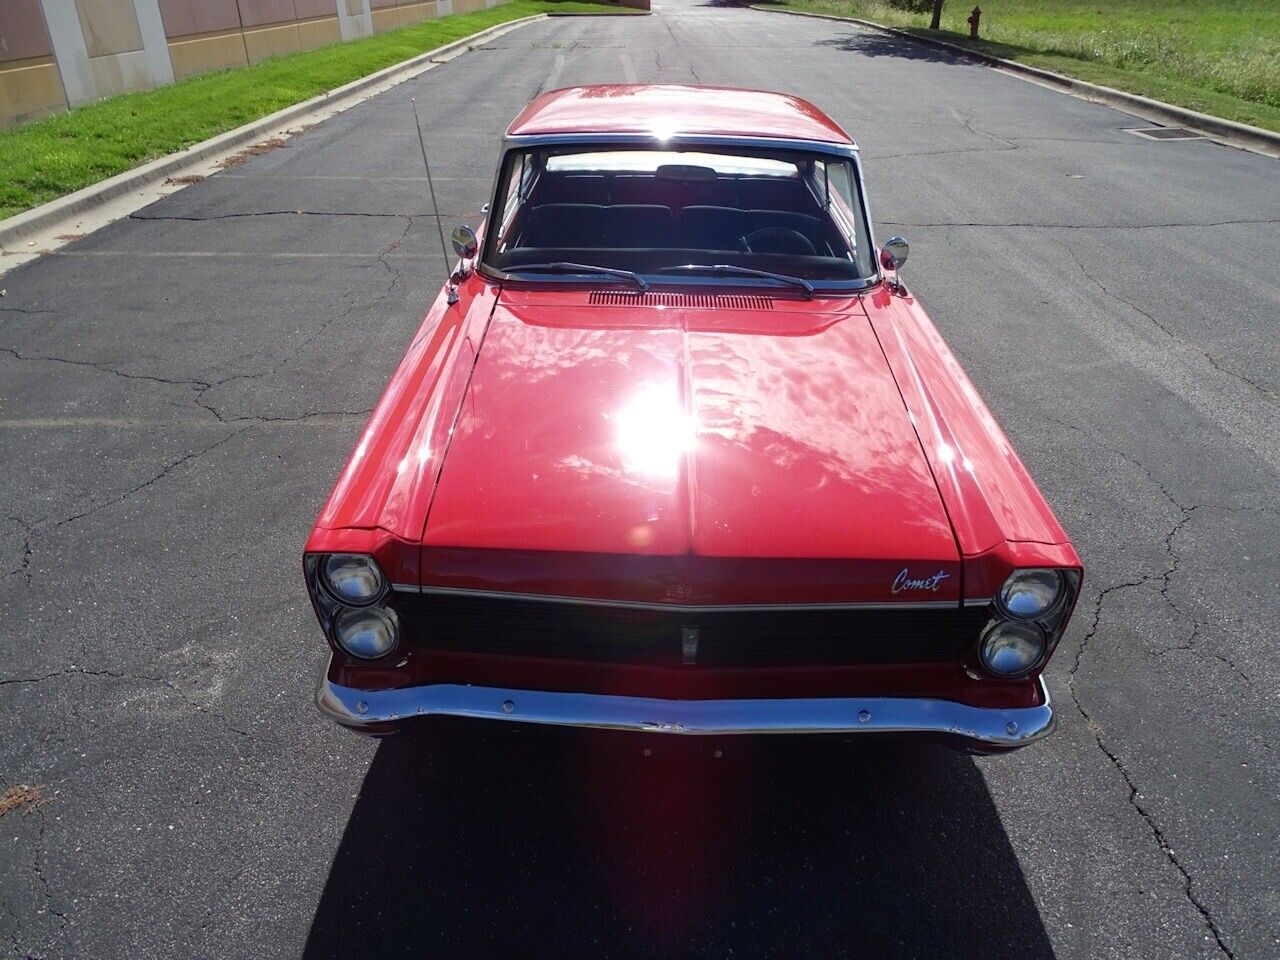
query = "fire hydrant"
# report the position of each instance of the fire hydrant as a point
(973, 23)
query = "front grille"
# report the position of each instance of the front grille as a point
(618, 634)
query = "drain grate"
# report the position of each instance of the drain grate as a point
(1166, 133)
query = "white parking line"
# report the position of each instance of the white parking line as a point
(628, 68)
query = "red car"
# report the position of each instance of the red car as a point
(675, 450)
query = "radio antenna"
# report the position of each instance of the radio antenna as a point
(450, 286)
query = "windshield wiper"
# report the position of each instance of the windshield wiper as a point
(562, 267)
(742, 272)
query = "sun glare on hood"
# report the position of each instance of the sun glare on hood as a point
(653, 431)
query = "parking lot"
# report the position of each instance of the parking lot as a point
(179, 390)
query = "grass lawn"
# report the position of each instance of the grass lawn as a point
(58, 155)
(1220, 57)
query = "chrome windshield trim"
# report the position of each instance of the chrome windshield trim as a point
(990, 727)
(821, 288)
(672, 607)
(681, 140)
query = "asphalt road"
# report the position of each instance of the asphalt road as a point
(178, 391)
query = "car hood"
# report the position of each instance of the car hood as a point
(705, 448)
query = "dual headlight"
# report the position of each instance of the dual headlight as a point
(347, 588)
(1032, 607)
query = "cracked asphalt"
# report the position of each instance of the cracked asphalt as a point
(179, 389)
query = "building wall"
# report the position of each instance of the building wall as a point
(354, 19)
(60, 53)
(394, 14)
(203, 35)
(218, 34)
(105, 47)
(30, 85)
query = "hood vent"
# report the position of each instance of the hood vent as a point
(708, 301)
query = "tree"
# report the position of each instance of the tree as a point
(936, 22)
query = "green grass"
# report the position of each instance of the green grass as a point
(1220, 57)
(61, 154)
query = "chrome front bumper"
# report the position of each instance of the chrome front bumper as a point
(994, 729)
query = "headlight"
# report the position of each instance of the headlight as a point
(368, 634)
(1010, 648)
(352, 578)
(1028, 594)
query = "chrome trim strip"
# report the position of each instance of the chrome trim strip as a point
(978, 601)
(822, 288)
(986, 726)
(843, 288)
(673, 607)
(678, 139)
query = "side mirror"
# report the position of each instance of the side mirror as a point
(465, 242)
(893, 254)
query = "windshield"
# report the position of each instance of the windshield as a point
(655, 211)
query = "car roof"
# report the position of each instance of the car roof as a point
(672, 109)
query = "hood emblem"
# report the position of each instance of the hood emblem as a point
(679, 589)
(689, 644)
(904, 581)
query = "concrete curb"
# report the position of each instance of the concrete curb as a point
(65, 209)
(1234, 134)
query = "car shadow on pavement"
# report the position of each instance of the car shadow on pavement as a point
(469, 843)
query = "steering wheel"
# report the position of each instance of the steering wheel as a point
(777, 240)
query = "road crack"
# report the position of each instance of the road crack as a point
(46, 889)
(1163, 329)
(101, 367)
(102, 673)
(201, 388)
(26, 312)
(676, 41)
(966, 120)
(937, 153)
(1095, 728)
(383, 260)
(45, 525)
(186, 218)
(38, 865)
(1135, 800)
(24, 567)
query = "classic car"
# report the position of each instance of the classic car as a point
(677, 450)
